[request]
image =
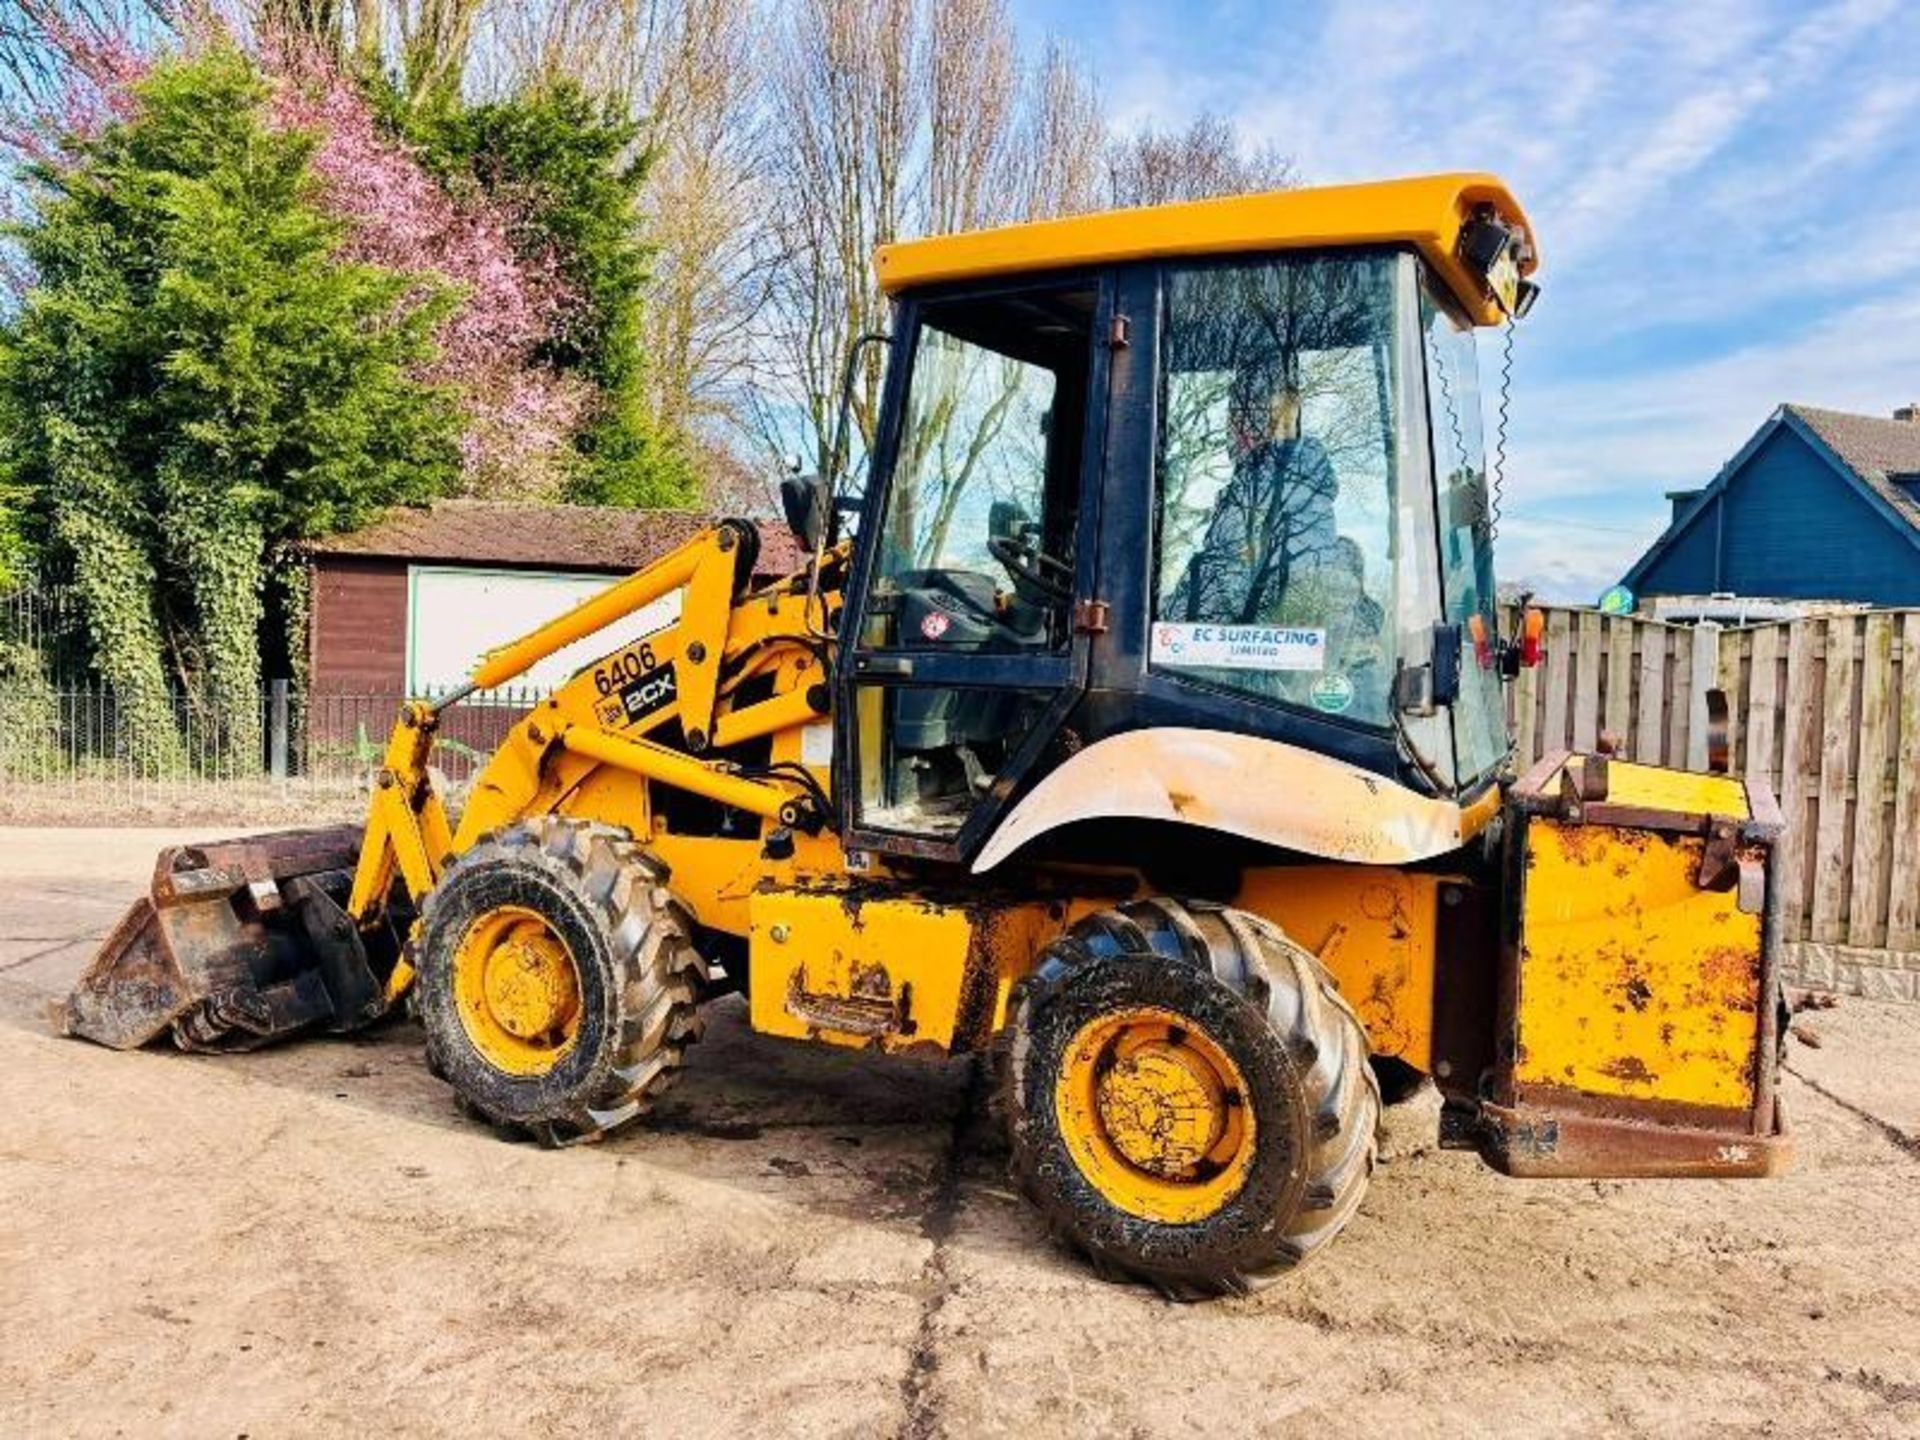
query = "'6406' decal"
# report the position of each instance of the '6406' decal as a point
(623, 669)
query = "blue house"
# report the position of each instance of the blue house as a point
(1818, 505)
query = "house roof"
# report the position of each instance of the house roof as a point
(1426, 211)
(1874, 449)
(554, 537)
(1864, 450)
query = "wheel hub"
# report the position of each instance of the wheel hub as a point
(1155, 1114)
(1163, 1106)
(517, 990)
(530, 987)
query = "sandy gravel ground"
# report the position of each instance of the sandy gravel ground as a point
(313, 1241)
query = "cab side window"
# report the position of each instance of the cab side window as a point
(1275, 566)
(977, 540)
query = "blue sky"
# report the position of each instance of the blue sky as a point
(1727, 197)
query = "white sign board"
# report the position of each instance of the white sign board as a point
(455, 616)
(1239, 647)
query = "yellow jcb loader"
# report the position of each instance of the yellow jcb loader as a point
(1139, 722)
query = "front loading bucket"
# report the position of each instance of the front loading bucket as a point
(240, 942)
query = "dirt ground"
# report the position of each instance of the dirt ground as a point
(313, 1241)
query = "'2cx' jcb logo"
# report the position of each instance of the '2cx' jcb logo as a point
(639, 698)
(649, 693)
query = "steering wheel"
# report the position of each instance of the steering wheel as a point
(1038, 578)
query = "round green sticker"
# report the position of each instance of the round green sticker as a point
(1332, 693)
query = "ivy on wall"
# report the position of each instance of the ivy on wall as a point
(200, 377)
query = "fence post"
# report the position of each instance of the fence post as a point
(277, 730)
(1704, 675)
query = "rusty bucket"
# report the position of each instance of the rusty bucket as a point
(239, 942)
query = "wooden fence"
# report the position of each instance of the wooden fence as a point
(1826, 710)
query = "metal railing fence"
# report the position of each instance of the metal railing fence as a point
(84, 740)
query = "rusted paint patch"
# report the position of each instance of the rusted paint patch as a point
(1639, 985)
(1630, 1069)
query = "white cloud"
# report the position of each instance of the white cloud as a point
(1728, 195)
(1592, 459)
(1565, 558)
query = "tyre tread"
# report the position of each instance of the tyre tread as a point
(658, 973)
(1302, 1006)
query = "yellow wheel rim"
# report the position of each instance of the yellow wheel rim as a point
(1156, 1115)
(517, 991)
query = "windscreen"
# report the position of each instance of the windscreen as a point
(1465, 524)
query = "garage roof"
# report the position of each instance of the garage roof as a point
(610, 539)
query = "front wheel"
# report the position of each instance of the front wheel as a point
(1188, 1098)
(557, 981)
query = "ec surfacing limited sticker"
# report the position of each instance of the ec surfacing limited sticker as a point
(1239, 647)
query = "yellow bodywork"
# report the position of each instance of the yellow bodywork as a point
(1426, 213)
(853, 965)
(1635, 981)
(1649, 787)
(1375, 928)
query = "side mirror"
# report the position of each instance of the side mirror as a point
(806, 503)
(1006, 520)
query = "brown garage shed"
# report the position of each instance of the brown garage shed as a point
(392, 605)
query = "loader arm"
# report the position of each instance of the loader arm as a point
(408, 836)
(239, 943)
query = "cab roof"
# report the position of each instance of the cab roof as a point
(1426, 212)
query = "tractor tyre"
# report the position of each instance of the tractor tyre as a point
(556, 979)
(1187, 1097)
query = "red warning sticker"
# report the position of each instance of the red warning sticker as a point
(934, 625)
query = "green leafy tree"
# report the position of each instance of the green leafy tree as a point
(573, 168)
(198, 378)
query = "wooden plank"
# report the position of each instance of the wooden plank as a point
(1703, 674)
(1903, 887)
(1586, 695)
(1867, 875)
(1800, 744)
(1679, 698)
(1648, 715)
(1733, 679)
(1619, 712)
(1836, 765)
(1558, 680)
(1763, 699)
(1523, 699)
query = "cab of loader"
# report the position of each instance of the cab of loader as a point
(1112, 489)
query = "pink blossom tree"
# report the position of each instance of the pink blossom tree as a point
(521, 416)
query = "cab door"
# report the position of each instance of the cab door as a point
(960, 652)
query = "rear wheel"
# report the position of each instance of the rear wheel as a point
(1188, 1098)
(557, 982)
